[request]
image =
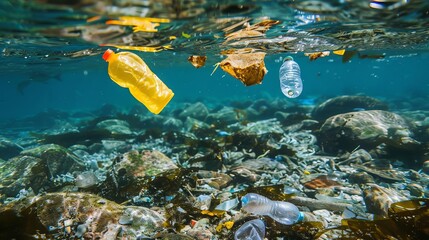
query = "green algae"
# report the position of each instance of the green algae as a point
(407, 220)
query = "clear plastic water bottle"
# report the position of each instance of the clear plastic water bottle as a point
(282, 212)
(251, 230)
(290, 78)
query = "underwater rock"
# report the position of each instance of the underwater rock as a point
(303, 126)
(115, 126)
(172, 124)
(9, 149)
(366, 129)
(378, 199)
(86, 180)
(288, 119)
(146, 163)
(197, 110)
(263, 164)
(78, 147)
(382, 170)
(192, 124)
(73, 215)
(263, 127)
(260, 109)
(213, 179)
(37, 169)
(110, 146)
(95, 148)
(360, 178)
(345, 104)
(415, 189)
(224, 116)
(302, 143)
(359, 156)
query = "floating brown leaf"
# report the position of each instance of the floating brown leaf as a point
(248, 68)
(197, 61)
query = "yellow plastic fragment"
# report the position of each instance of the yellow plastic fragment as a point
(306, 172)
(172, 38)
(339, 52)
(219, 227)
(185, 35)
(136, 21)
(140, 48)
(229, 224)
(213, 213)
(140, 24)
(147, 27)
(93, 19)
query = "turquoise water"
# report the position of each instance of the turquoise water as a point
(399, 77)
(51, 54)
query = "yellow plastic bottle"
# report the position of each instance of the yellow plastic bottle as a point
(129, 71)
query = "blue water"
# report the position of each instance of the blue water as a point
(88, 86)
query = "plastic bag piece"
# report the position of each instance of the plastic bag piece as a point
(249, 68)
(283, 212)
(197, 61)
(251, 230)
(129, 71)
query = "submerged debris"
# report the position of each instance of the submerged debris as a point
(197, 61)
(192, 166)
(249, 68)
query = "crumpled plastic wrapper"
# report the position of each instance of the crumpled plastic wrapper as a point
(197, 61)
(249, 68)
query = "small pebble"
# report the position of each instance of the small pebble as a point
(360, 178)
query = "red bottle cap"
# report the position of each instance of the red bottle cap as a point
(107, 54)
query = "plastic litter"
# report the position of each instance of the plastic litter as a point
(227, 205)
(129, 71)
(86, 180)
(197, 61)
(249, 68)
(251, 230)
(290, 78)
(282, 212)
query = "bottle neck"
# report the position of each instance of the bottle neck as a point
(300, 217)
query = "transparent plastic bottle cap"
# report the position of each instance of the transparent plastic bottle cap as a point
(244, 200)
(300, 217)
